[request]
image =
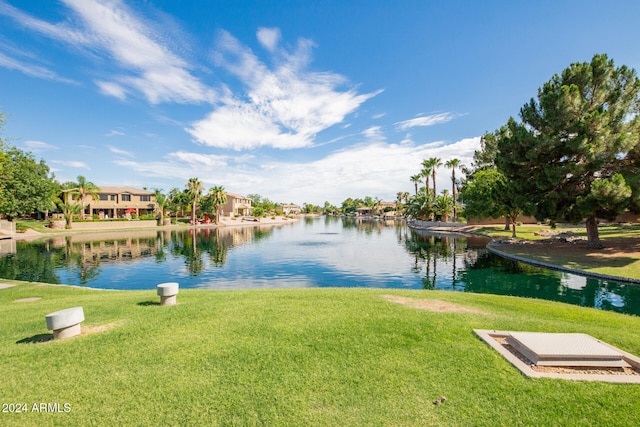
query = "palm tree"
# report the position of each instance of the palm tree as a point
(399, 196)
(426, 173)
(420, 206)
(162, 201)
(219, 198)
(194, 188)
(84, 188)
(435, 163)
(69, 209)
(444, 205)
(453, 164)
(416, 179)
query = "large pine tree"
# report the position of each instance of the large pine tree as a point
(576, 144)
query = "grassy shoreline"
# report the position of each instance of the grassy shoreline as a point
(620, 257)
(295, 357)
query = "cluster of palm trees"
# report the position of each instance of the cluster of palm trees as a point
(177, 200)
(426, 203)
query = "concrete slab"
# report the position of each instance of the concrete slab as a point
(498, 340)
(558, 349)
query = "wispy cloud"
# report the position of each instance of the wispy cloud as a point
(61, 31)
(112, 89)
(269, 38)
(422, 121)
(111, 28)
(115, 133)
(39, 146)
(71, 164)
(31, 69)
(121, 152)
(284, 107)
(374, 133)
(161, 75)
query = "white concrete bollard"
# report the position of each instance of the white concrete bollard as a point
(168, 292)
(65, 323)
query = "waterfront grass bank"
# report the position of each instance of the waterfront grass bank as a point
(295, 357)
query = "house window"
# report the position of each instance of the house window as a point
(104, 196)
(112, 197)
(145, 198)
(126, 197)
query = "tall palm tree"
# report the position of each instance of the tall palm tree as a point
(194, 188)
(426, 173)
(219, 198)
(453, 164)
(416, 179)
(84, 188)
(435, 163)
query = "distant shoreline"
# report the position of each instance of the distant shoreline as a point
(31, 234)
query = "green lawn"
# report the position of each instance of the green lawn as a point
(328, 357)
(620, 257)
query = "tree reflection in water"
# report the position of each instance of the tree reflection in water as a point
(342, 252)
(484, 272)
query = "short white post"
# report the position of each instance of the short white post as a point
(168, 292)
(65, 323)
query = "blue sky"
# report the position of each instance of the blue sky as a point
(299, 101)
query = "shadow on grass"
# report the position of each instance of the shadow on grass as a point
(36, 339)
(148, 303)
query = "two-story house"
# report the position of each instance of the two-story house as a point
(237, 205)
(119, 202)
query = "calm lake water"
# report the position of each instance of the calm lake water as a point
(312, 252)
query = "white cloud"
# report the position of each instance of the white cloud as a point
(110, 28)
(39, 146)
(120, 151)
(269, 38)
(160, 74)
(374, 168)
(421, 121)
(115, 133)
(374, 133)
(31, 69)
(283, 108)
(71, 164)
(112, 89)
(60, 31)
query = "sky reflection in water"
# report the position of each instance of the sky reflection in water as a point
(313, 252)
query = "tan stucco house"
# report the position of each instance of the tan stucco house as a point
(119, 202)
(290, 209)
(237, 205)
